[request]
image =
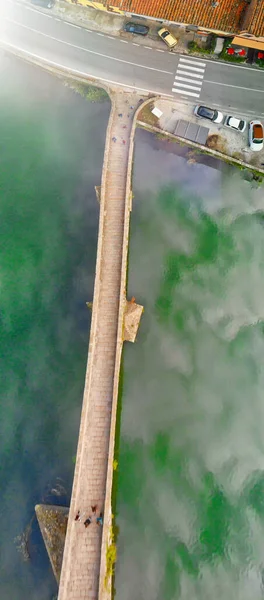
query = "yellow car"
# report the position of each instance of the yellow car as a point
(167, 37)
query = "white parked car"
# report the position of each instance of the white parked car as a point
(235, 123)
(255, 135)
(208, 113)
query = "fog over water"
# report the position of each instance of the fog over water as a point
(51, 153)
(191, 460)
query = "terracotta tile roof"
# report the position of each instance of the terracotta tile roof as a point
(254, 19)
(226, 16)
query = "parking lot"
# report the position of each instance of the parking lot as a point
(230, 142)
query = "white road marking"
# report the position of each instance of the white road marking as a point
(186, 93)
(101, 34)
(158, 50)
(187, 77)
(70, 24)
(110, 37)
(197, 75)
(186, 85)
(189, 68)
(229, 64)
(87, 50)
(76, 72)
(134, 44)
(148, 47)
(238, 112)
(198, 83)
(238, 87)
(123, 41)
(34, 10)
(194, 61)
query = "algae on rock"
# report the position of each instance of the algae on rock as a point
(53, 521)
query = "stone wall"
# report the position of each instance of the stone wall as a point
(104, 585)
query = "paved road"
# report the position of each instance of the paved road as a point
(232, 87)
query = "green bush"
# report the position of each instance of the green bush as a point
(209, 47)
(232, 57)
(194, 47)
(212, 42)
(89, 92)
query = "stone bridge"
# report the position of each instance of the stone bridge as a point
(86, 573)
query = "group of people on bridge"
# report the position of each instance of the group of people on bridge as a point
(91, 518)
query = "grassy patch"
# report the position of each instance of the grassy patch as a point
(161, 136)
(147, 116)
(110, 558)
(193, 47)
(111, 550)
(89, 92)
(207, 49)
(238, 155)
(117, 437)
(232, 58)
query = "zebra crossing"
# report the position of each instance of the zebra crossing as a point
(189, 77)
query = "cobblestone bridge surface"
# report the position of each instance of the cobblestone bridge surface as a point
(82, 553)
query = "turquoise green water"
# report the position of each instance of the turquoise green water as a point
(51, 152)
(191, 462)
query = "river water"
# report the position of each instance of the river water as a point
(51, 153)
(191, 464)
(190, 501)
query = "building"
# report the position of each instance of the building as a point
(242, 18)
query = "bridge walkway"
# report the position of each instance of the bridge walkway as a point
(81, 561)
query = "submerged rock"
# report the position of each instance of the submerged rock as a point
(53, 525)
(23, 541)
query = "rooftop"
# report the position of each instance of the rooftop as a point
(254, 18)
(222, 15)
